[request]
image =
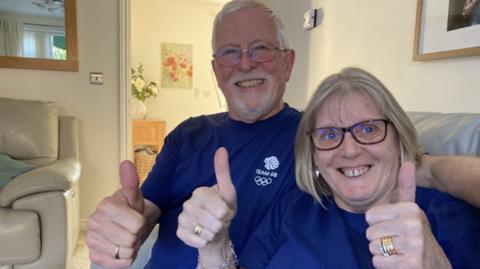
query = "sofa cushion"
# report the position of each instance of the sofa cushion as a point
(29, 130)
(448, 133)
(20, 234)
(10, 168)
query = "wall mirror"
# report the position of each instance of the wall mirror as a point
(38, 34)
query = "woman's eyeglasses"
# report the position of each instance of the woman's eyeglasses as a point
(366, 133)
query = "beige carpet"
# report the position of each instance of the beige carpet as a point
(80, 257)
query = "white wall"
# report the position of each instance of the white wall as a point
(378, 36)
(374, 34)
(180, 21)
(96, 107)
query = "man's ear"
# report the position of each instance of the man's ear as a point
(289, 61)
(215, 70)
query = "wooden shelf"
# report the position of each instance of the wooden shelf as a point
(148, 132)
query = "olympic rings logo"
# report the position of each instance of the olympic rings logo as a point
(262, 181)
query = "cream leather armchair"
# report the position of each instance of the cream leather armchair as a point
(39, 209)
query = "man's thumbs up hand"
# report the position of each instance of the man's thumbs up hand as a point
(206, 216)
(224, 182)
(129, 183)
(114, 230)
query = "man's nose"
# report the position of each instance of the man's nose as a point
(246, 62)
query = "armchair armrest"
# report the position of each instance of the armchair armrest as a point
(60, 175)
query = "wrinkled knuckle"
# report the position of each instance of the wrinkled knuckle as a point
(90, 223)
(138, 223)
(95, 258)
(415, 226)
(376, 261)
(414, 208)
(221, 212)
(369, 233)
(372, 247)
(131, 240)
(187, 206)
(416, 243)
(128, 253)
(216, 227)
(209, 237)
(182, 219)
(105, 202)
(202, 244)
(199, 192)
(180, 234)
(89, 240)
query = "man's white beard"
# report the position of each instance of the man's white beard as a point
(265, 105)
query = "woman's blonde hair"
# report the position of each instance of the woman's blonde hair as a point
(349, 80)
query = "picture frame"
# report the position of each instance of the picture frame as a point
(176, 66)
(442, 30)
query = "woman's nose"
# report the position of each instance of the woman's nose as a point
(350, 148)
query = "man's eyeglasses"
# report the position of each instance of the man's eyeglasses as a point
(260, 53)
(366, 133)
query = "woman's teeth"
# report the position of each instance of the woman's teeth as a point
(354, 172)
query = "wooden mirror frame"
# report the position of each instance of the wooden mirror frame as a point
(70, 64)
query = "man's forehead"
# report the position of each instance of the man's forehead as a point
(246, 26)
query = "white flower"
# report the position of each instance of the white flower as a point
(154, 89)
(139, 84)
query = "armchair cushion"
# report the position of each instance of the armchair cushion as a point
(448, 133)
(29, 130)
(58, 176)
(10, 168)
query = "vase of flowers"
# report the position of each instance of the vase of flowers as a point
(141, 90)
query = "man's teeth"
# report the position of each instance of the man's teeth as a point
(250, 83)
(354, 172)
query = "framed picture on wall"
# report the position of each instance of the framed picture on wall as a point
(446, 29)
(177, 67)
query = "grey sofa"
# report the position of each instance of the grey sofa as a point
(448, 133)
(39, 209)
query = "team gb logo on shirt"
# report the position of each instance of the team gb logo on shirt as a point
(264, 177)
(271, 163)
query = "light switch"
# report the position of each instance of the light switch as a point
(96, 78)
(309, 19)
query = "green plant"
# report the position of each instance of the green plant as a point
(140, 88)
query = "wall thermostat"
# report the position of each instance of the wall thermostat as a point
(309, 19)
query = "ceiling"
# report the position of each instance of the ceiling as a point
(25, 7)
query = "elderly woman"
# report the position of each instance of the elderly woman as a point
(355, 154)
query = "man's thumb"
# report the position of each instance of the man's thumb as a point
(130, 186)
(224, 181)
(406, 183)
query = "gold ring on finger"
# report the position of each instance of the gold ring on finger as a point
(197, 230)
(386, 246)
(116, 252)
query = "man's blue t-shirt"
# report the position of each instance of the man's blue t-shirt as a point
(300, 233)
(261, 160)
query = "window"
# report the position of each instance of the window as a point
(44, 41)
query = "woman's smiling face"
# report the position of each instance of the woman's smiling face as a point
(359, 176)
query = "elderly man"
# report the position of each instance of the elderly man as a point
(252, 62)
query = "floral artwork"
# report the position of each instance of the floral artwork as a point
(177, 66)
